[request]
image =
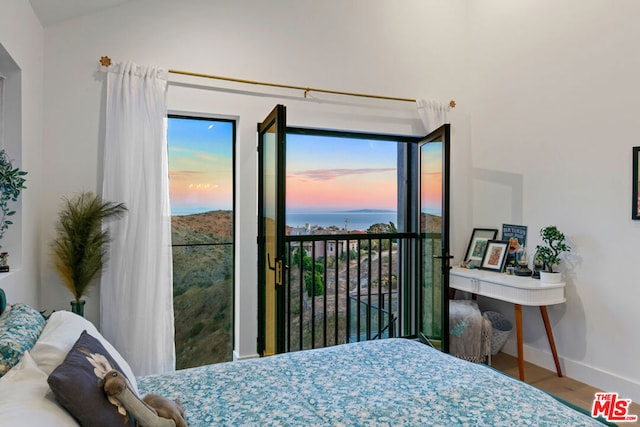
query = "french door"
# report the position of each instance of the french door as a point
(425, 289)
(271, 231)
(433, 214)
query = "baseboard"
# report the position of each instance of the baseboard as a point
(237, 357)
(578, 371)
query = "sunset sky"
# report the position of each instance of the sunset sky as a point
(326, 174)
(431, 178)
(323, 173)
(200, 165)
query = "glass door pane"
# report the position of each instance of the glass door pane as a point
(434, 240)
(271, 139)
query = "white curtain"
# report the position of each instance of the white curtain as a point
(136, 294)
(432, 113)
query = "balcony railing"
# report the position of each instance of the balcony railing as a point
(348, 287)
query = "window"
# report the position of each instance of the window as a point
(201, 163)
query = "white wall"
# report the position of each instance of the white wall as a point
(360, 46)
(554, 100)
(22, 40)
(546, 94)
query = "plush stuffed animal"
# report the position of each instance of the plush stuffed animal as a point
(152, 411)
(166, 408)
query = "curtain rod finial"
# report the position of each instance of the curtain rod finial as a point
(105, 61)
(452, 104)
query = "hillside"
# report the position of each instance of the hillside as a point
(216, 226)
(203, 287)
(430, 223)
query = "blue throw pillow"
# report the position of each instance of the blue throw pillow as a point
(3, 301)
(20, 327)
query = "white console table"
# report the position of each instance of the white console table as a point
(517, 290)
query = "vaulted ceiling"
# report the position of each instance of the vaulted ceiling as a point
(54, 11)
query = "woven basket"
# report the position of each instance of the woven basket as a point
(501, 329)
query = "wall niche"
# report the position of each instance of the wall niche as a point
(11, 142)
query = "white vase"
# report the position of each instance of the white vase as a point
(547, 277)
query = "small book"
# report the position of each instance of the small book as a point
(517, 237)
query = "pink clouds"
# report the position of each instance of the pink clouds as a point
(360, 188)
(330, 174)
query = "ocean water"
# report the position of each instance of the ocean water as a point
(191, 210)
(355, 220)
(358, 220)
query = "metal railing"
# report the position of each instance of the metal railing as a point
(343, 288)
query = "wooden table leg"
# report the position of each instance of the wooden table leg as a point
(520, 343)
(552, 344)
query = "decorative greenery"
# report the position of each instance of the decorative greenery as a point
(80, 248)
(316, 283)
(553, 246)
(382, 227)
(11, 183)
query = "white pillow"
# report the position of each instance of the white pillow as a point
(58, 336)
(24, 399)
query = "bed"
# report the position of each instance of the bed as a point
(391, 382)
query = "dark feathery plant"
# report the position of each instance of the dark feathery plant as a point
(80, 248)
(11, 185)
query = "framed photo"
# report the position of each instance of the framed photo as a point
(478, 244)
(635, 201)
(495, 255)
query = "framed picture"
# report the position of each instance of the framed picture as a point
(495, 255)
(635, 200)
(478, 244)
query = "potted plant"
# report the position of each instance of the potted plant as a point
(11, 185)
(80, 247)
(553, 245)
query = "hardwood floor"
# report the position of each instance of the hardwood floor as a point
(566, 388)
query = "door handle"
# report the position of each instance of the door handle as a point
(278, 268)
(445, 260)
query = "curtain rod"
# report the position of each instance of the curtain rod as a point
(105, 61)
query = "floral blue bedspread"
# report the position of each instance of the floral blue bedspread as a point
(393, 382)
